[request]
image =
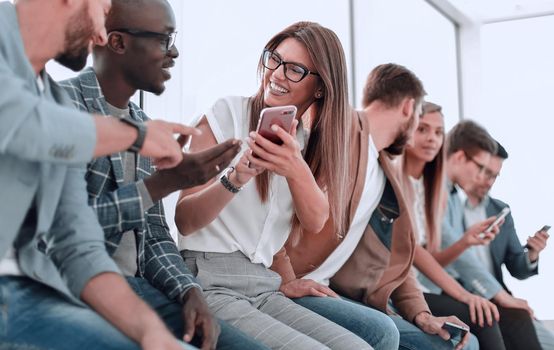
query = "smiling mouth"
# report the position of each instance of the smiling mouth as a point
(278, 89)
(168, 65)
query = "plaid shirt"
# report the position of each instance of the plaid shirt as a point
(119, 207)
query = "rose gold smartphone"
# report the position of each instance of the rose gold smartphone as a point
(281, 116)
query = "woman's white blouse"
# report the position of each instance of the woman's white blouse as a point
(246, 224)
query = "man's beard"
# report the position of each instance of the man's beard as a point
(77, 38)
(397, 147)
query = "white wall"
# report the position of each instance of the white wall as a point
(417, 37)
(518, 82)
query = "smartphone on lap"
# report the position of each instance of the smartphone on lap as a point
(457, 332)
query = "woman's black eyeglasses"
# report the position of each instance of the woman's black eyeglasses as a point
(294, 72)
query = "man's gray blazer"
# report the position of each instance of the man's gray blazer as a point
(507, 249)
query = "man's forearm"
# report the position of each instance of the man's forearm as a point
(110, 296)
(501, 297)
(112, 136)
(159, 186)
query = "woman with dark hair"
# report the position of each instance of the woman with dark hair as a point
(231, 228)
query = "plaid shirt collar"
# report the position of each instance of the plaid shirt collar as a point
(95, 102)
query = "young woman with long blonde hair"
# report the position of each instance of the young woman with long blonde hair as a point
(231, 228)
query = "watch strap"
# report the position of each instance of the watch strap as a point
(141, 134)
(224, 179)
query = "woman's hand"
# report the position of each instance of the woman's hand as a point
(285, 160)
(434, 325)
(244, 171)
(305, 287)
(480, 309)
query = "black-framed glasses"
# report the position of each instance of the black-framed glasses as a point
(294, 72)
(480, 166)
(168, 40)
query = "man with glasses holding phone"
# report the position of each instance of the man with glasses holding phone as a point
(126, 191)
(469, 149)
(506, 249)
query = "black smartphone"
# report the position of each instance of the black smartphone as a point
(545, 228)
(457, 332)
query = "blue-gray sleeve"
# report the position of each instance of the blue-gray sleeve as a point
(75, 242)
(474, 277)
(516, 259)
(165, 268)
(36, 129)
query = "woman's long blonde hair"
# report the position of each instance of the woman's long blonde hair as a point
(330, 121)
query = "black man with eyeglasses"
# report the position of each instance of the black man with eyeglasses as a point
(125, 190)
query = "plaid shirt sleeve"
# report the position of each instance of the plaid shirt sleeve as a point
(118, 211)
(165, 268)
(123, 210)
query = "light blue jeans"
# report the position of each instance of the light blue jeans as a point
(34, 316)
(373, 326)
(379, 330)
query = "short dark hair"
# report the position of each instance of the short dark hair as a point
(501, 151)
(469, 137)
(390, 83)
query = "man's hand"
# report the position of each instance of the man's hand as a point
(506, 300)
(474, 235)
(302, 287)
(536, 244)
(481, 309)
(198, 319)
(195, 169)
(433, 325)
(160, 145)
